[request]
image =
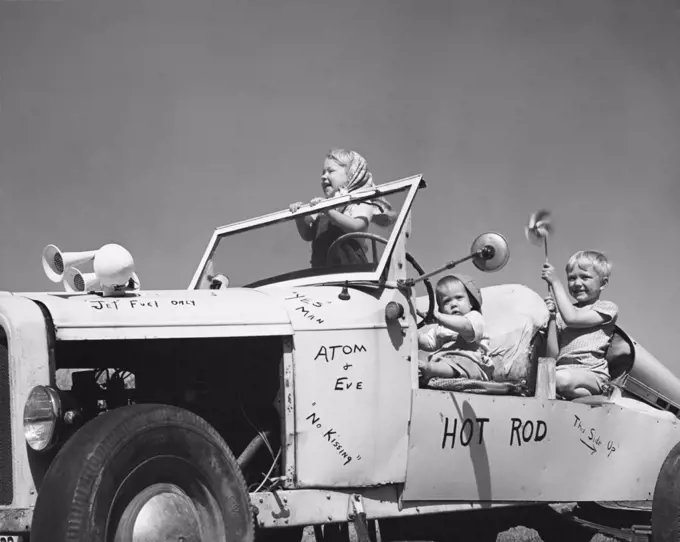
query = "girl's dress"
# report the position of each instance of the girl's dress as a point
(349, 252)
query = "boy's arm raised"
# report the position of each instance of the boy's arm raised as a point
(572, 317)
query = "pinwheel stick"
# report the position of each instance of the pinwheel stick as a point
(545, 246)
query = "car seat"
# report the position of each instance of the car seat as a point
(620, 355)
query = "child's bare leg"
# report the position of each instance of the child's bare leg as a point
(572, 383)
(436, 369)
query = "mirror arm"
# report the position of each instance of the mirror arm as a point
(412, 281)
(489, 252)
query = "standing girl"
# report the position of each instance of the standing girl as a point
(344, 171)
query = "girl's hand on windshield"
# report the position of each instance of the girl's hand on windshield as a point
(295, 206)
(316, 201)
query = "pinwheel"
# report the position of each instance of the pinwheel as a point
(539, 228)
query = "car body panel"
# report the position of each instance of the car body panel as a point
(29, 363)
(166, 314)
(653, 381)
(304, 507)
(353, 378)
(491, 448)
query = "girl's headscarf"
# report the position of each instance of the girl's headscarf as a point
(359, 177)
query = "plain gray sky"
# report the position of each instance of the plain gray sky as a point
(150, 122)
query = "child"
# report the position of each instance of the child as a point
(459, 341)
(584, 328)
(344, 171)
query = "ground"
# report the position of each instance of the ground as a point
(515, 534)
(487, 526)
(523, 534)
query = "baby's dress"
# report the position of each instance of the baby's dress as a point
(468, 359)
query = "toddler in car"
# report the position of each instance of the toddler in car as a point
(459, 342)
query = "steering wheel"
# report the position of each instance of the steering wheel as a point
(429, 316)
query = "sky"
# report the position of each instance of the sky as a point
(150, 122)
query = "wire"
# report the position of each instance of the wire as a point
(266, 477)
(257, 429)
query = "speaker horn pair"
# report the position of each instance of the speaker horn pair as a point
(113, 269)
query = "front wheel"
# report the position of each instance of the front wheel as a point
(144, 473)
(666, 500)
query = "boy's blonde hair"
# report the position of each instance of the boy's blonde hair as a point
(599, 261)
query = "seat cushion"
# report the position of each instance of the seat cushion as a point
(620, 354)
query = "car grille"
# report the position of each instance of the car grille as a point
(6, 481)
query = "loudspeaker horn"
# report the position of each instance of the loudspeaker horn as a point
(55, 262)
(75, 281)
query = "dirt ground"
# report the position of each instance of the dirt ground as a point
(511, 526)
(524, 534)
(514, 534)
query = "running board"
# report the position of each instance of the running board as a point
(633, 506)
(631, 532)
(636, 533)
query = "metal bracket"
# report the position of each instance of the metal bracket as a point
(641, 533)
(357, 515)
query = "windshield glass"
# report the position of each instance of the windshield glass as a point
(268, 251)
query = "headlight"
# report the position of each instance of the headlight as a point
(42, 413)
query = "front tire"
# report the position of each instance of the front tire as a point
(143, 473)
(666, 500)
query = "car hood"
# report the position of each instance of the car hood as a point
(165, 314)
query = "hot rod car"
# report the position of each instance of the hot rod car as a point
(270, 395)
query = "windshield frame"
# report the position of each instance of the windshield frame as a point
(411, 184)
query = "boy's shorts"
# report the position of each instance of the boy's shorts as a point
(599, 379)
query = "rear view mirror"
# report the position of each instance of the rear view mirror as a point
(490, 252)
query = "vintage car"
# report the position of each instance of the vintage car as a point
(270, 395)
